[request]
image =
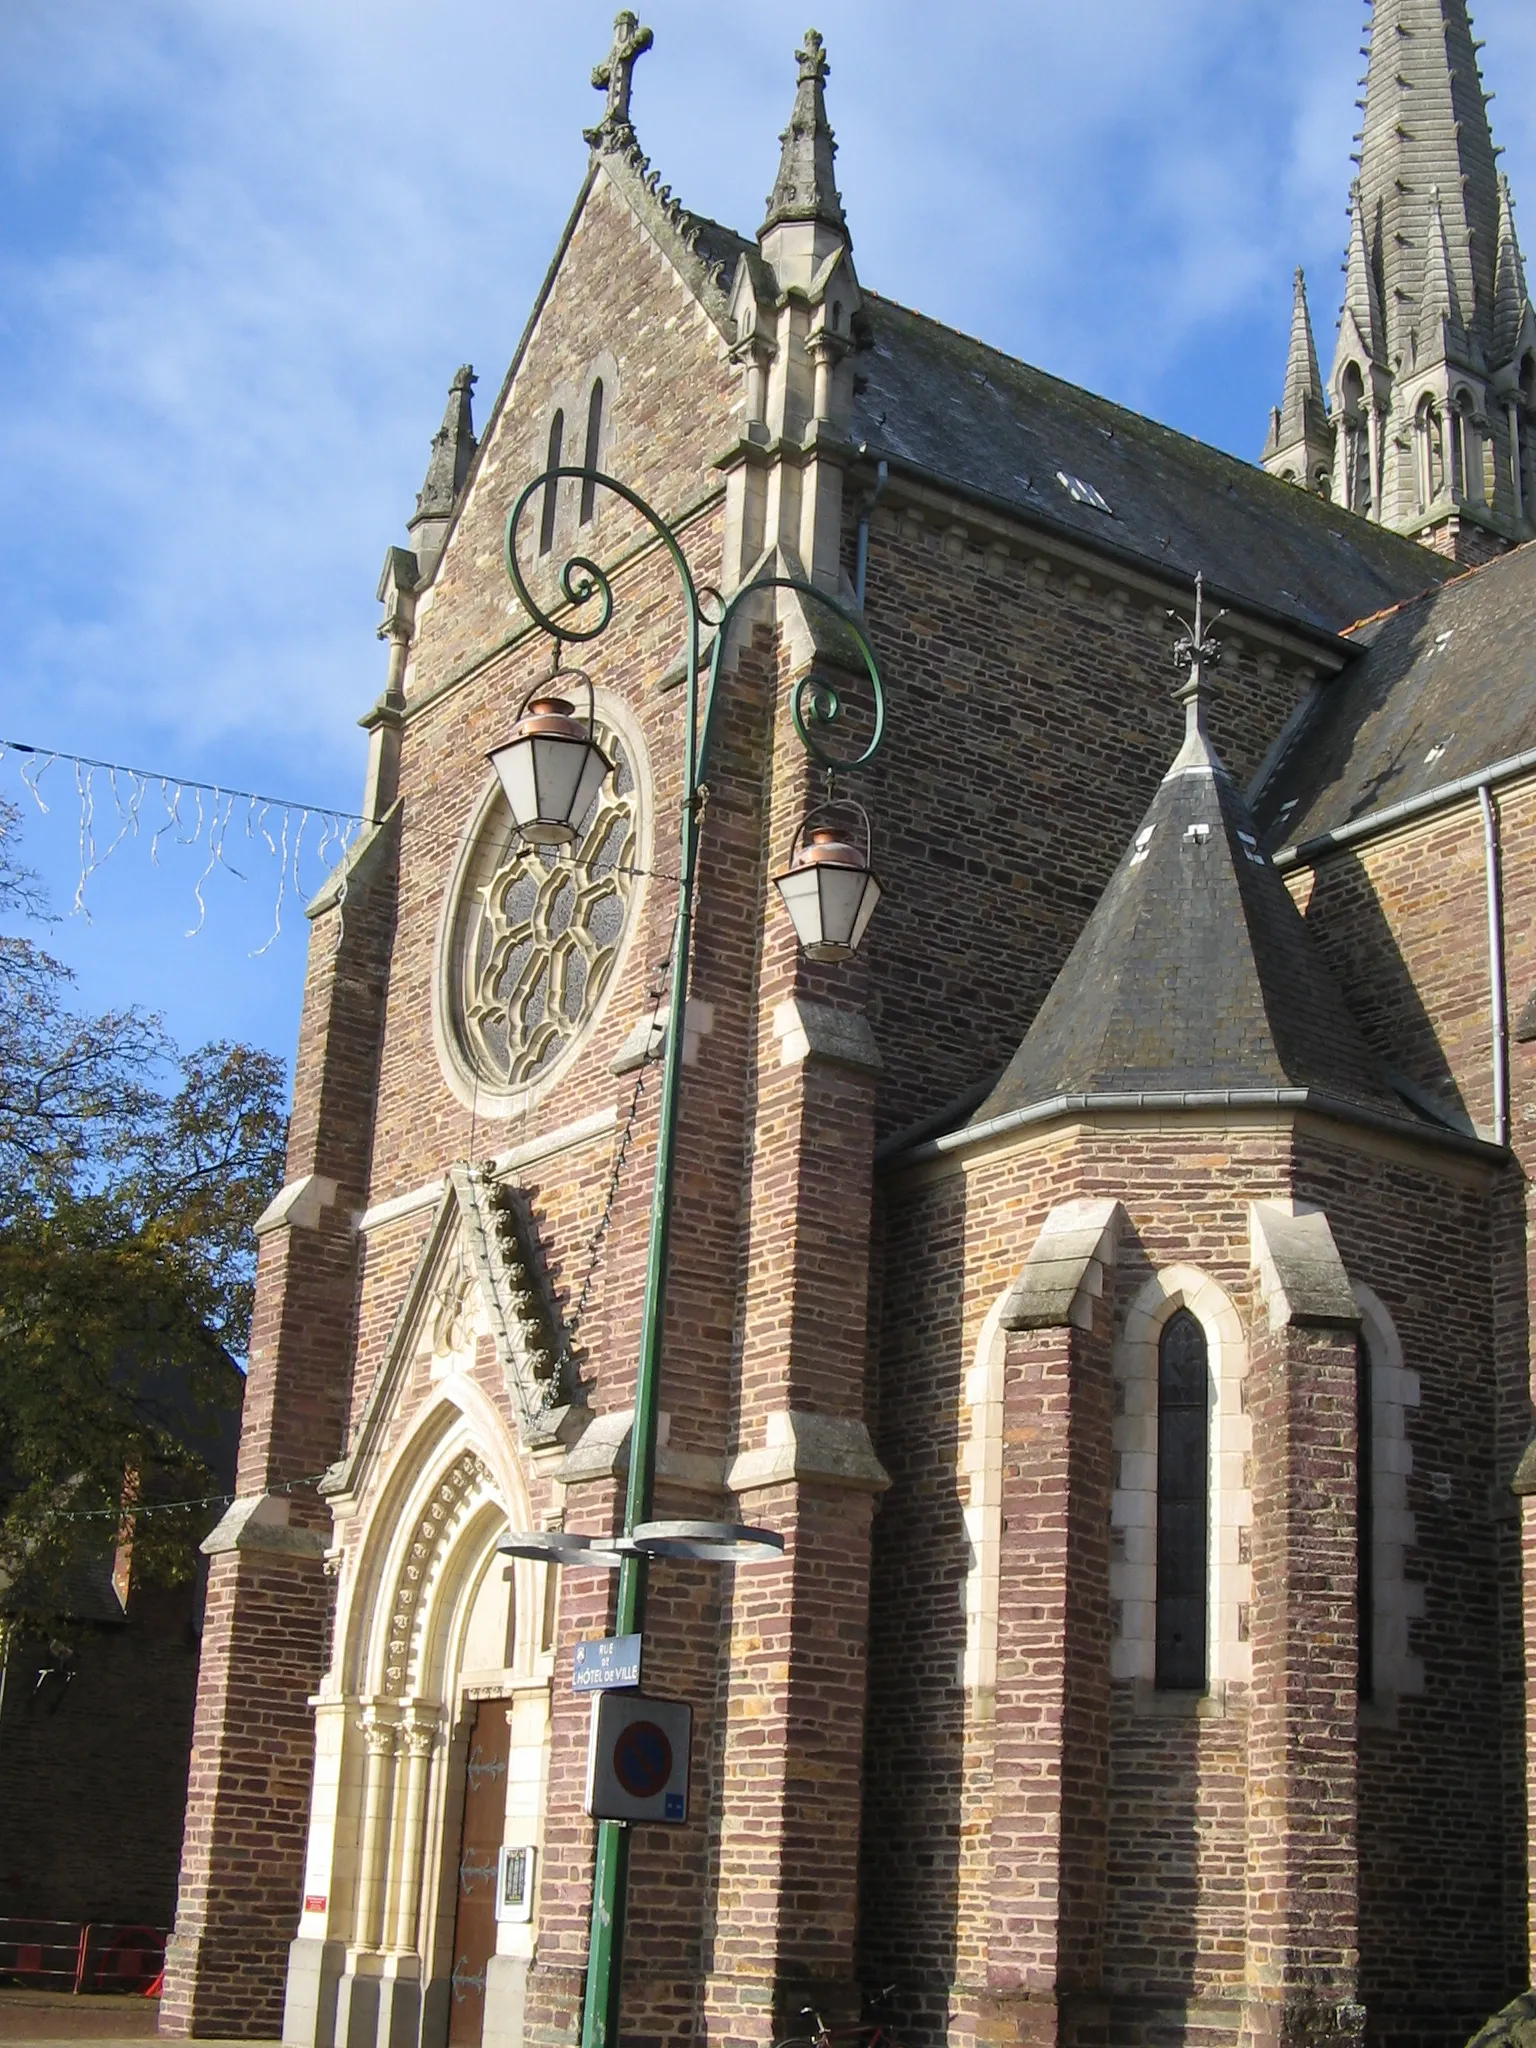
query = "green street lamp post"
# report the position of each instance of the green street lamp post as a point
(551, 767)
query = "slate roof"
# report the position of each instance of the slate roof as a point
(1445, 687)
(1194, 975)
(978, 418)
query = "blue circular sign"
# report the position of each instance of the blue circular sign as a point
(642, 1759)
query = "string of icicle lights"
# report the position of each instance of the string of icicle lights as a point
(118, 803)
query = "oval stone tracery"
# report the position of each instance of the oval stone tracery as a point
(537, 931)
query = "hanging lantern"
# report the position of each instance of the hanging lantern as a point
(552, 767)
(829, 890)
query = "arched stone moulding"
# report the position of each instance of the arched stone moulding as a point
(428, 1621)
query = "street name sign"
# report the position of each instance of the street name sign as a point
(609, 1664)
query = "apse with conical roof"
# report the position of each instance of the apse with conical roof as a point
(1195, 980)
(1432, 374)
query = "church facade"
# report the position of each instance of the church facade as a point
(1112, 1285)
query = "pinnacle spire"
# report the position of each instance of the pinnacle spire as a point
(1440, 302)
(1300, 443)
(1511, 299)
(1426, 125)
(453, 448)
(806, 188)
(1362, 297)
(1303, 378)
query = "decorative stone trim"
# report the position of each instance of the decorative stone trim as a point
(1064, 1273)
(298, 1205)
(800, 1446)
(435, 1525)
(647, 1038)
(492, 1228)
(1301, 1276)
(808, 1031)
(1133, 1511)
(355, 868)
(259, 1522)
(602, 1452)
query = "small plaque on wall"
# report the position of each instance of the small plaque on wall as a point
(514, 1883)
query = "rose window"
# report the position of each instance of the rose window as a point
(538, 931)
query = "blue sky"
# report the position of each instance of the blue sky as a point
(246, 243)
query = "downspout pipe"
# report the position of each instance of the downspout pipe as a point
(1498, 1004)
(861, 558)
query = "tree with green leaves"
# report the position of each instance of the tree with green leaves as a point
(130, 1178)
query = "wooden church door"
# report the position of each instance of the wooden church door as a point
(485, 1813)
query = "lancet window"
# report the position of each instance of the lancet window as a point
(592, 459)
(551, 490)
(1430, 438)
(1356, 442)
(1183, 1503)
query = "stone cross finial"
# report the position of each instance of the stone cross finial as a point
(615, 76)
(812, 59)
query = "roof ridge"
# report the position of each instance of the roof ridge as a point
(1434, 589)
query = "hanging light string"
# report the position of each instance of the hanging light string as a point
(131, 1513)
(149, 803)
(146, 802)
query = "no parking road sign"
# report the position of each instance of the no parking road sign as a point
(637, 1765)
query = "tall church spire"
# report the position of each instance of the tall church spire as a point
(1427, 436)
(806, 189)
(1426, 127)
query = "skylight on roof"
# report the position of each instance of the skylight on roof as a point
(1083, 494)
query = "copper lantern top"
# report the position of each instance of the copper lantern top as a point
(828, 846)
(550, 718)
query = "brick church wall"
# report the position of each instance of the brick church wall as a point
(1029, 687)
(1442, 1919)
(1402, 922)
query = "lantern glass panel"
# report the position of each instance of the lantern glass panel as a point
(842, 898)
(802, 899)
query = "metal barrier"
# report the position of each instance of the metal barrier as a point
(68, 1955)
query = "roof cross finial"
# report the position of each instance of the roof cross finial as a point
(1195, 651)
(812, 59)
(615, 76)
